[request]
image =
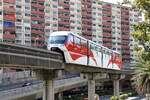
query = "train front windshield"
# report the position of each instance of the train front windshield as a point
(57, 39)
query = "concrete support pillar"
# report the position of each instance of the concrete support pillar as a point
(91, 82)
(60, 96)
(91, 89)
(48, 90)
(116, 87)
(48, 76)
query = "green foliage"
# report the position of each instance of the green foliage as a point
(141, 77)
(123, 96)
(144, 6)
(129, 94)
(114, 98)
(141, 32)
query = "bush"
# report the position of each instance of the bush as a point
(123, 96)
(114, 98)
(129, 94)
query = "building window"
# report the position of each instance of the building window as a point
(18, 6)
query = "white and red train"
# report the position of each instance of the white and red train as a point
(79, 50)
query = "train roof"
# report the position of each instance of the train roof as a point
(68, 32)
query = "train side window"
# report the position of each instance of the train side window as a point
(108, 52)
(97, 48)
(77, 40)
(83, 43)
(101, 49)
(70, 38)
(92, 46)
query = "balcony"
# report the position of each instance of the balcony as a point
(40, 26)
(106, 6)
(87, 21)
(106, 34)
(125, 46)
(88, 37)
(125, 36)
(64, 22)
(37, 6)
(37, 12)
(127, 52)
(125, 31)
(9, 36)
(38, 38)
(63, 16)
(63, 10)
(109, 45)
(86, 14)
(10, 17)
(9, 1)
(37, 44)
(107, 40)
(37, 18)
(108, 29)
(107, 12)
(9, 29)
(1, 7)
(126, 57)
(107, 18)
(37, 32)
(9, 9)
(63, 29)
(63, 4)
(41, 0)
(86, 25)
(106, 23)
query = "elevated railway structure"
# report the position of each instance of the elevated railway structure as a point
(47, 65)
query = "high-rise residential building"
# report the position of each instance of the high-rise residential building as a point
(8, 23)
(29, 22)
(23, 22)
(37, 22)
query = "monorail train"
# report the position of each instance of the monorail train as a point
(79, 50)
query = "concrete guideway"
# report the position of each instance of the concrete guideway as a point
(26, 57)
(47, 65)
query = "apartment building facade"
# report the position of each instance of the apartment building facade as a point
(29, 22)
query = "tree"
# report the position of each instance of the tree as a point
(143, 6)
(141, 77)
(141, 34)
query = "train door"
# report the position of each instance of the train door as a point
(107, 59)
(84, 50)
(117, 61)
(69, 46)
(78, 57)
(98, 56)
(91, 55)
